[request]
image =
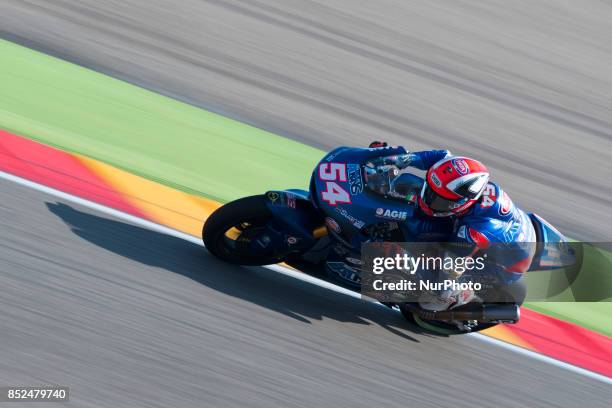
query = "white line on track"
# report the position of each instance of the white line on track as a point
(281, 269)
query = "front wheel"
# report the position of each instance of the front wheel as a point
(438, 326)
(239, 232)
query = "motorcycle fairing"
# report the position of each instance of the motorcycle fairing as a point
(338, 189)
(295, 219)
(553, 250)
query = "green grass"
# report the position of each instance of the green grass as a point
(82, 111)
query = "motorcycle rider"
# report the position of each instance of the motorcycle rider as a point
(457, 200)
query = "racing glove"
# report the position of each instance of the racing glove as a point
(377, 143)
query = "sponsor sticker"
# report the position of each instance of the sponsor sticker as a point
(354, 261)
(461, 232)
(273, 196)
(344, 271)
(354, 179)
(512, 229)
(357, 223)
(291, 201)
(461, 166)
(505, 204)
(332, 225)
(263, 241)
(435, 180)
(479, 238)
(395, 215)
(333, 155)
(373, 149)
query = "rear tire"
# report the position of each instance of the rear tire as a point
(238, 217)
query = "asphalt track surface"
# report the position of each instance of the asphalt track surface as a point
(130, 317)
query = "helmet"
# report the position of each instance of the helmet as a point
(452, 186)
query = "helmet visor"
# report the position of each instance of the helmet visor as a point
(438, 203)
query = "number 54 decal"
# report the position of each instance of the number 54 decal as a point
(488, 196)
(330, 173)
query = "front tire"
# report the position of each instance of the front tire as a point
(227, 231)
(438, 326)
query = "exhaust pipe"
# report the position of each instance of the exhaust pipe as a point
(488, 313)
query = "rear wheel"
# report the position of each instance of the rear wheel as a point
(238, 232)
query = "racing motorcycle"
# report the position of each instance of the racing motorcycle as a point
(320, 232)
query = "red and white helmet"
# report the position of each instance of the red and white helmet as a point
(453, 185)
